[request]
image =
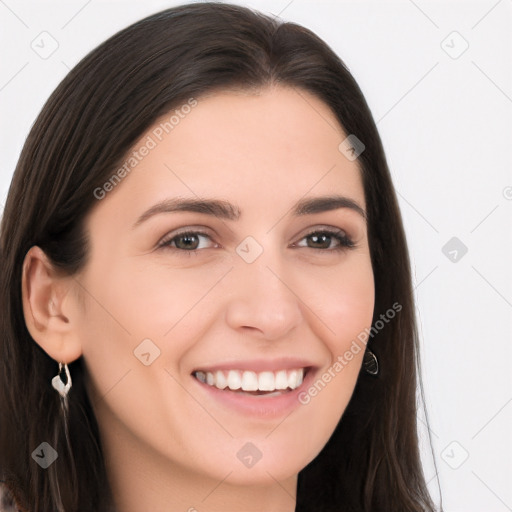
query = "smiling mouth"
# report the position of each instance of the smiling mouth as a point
(268, 383)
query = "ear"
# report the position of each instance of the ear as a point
(49, 307)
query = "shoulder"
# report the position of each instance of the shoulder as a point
(7, 503)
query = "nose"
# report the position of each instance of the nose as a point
(262, 300)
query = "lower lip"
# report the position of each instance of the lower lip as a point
(262, 406)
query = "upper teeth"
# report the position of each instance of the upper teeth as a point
(252, 381)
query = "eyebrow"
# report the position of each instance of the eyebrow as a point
(225, 210)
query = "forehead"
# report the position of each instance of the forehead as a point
(271, 146)
(275, 127)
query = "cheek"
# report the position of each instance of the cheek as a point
(136, 314)
(343, 298)
(351, 307)
(344, 306)
(133, 302)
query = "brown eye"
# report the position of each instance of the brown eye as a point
(324, 240)
(188, 241)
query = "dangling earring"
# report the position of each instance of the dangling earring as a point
(63, 389)
(59, 385)
(370, 363)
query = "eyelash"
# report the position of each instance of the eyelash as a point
(344, 241)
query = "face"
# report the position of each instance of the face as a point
(251, 280)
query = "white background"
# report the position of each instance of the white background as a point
(446, 127)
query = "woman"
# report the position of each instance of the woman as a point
(206, 296)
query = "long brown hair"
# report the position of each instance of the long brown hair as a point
(88, 125)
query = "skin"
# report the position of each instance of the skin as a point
(168, 447)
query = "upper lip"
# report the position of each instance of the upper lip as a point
(258, 365)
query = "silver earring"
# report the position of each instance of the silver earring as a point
(59, 385)
(370, 363)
